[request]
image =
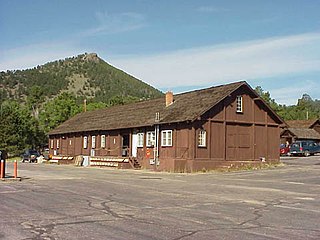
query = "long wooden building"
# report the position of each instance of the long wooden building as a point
(226, 125)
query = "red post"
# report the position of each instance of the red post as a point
(15, 169)
(2, 169)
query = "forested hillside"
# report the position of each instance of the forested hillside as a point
(84, 76)
(34, 101)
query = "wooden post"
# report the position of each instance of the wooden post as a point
(209, 139)
(267, 137)
(2, 171)
(15, 169)
(253, 132)
(175, 141)
(224, 131)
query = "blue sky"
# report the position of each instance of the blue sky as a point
(174, 45)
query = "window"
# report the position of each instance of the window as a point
(93, 141)
(140, 140)
(202, 141)
(103, 141)
(85, 142)
(58, 143)
(51, 143)
(151, 139)
(166, 138)
(239, 104)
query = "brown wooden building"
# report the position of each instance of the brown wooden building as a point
(204, 129)
(301, 130)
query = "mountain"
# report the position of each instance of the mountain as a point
(85, 76)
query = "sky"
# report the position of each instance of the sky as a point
(173, 44)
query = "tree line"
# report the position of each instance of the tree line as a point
(306, 107)
(26, 125)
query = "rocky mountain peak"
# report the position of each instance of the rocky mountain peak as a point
(91, 57)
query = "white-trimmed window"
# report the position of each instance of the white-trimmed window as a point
(239, 104)
(103, 141)
(58, 143)
(140, 140)
(166, 138)
(151, 139)
(51, 143)
(202, 140)
(85, 142)
(93, 141)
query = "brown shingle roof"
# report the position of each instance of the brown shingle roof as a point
(301, 123)
(305, 133)
(186, 107)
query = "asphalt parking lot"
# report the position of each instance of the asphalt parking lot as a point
(66, 202)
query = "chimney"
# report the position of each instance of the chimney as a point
(169, 98)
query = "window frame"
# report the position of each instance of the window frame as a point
(93, 141)
(239, 104)
(103, 141)
(85, 142)
(202, 138)
(52, 143)
(58, 143)
(165, 140)
(140, 139)
(151, 138)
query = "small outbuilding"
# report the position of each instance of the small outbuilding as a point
(216, 127)
(301, 130)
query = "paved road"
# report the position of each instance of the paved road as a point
(66, 202)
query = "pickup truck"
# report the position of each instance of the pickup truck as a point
(304, 148)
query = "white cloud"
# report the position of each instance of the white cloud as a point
(210, 65)
(36, 54)
(291, 93)
(116, 23)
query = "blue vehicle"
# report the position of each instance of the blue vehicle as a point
(304, 148)
(30, 155)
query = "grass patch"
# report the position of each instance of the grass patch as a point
(250, 167)
(12, 159)
(243, 167)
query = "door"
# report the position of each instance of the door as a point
(231, 142)
(134, 147)
(125, 145)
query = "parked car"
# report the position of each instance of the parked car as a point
(284, 150)
(30, 155)
(305, 148)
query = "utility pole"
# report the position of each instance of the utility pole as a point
(85, 105)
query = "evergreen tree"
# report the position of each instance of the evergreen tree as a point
(18, 129)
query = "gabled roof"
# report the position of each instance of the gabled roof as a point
(305, 133)
(301, 123)
(186, 107)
